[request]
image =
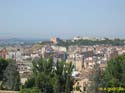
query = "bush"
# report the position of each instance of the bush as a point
(30, 90)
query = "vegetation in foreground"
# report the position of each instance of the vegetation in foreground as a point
(51, 78)
(112, 77)
(9, 76)
(56, 78)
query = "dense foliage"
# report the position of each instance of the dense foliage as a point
(3, 65)
(51, 78)
(106, 41)
(11, 78)
(112, 77)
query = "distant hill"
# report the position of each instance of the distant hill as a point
(18, 41)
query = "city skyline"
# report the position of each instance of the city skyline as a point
(63, 19)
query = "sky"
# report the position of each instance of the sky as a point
(62, 18)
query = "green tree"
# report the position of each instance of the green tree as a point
(52, 78)
(113, 76)
(11, 78)
(3, 65)
(30, 83)
(96, 78)
(42, 70)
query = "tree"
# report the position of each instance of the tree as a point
(42, 71)
(69, 79)
(52, 78)
(113, 76)
(96, 78)
(30, 83)
(11, 78)
(3, 65)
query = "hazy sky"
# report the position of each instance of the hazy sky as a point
(62, 18)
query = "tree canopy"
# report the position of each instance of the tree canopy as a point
(11, 78)
(3, 65)
(51, 78)
(112, 77)
(106, 41)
